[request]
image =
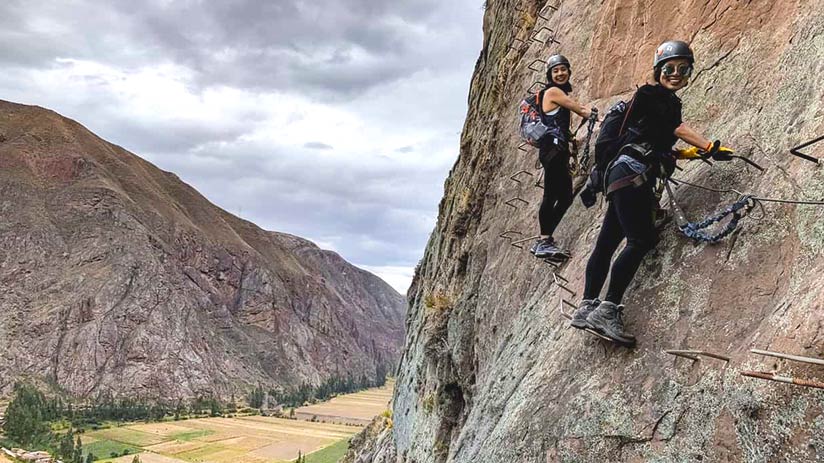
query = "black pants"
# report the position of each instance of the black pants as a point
(629, 215)
(557, 188)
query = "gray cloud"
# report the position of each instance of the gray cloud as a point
(326, 48)
(399, 69)
(317, 146)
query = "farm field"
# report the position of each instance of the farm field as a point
(250, 439)
(358, 408)
(254, 439)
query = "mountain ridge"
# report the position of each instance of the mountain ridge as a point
(118, 277)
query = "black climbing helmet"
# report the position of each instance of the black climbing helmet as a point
(672, 49)
(556, 60)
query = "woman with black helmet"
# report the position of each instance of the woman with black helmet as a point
(554, 154)
(653, 125)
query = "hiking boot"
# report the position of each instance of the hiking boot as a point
(579, 318)
(608, 320)
(547, 249)
(535, 245)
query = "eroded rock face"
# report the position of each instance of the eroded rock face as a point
(491, 373)
(117, 277)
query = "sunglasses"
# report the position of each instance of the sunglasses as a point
(682, 69)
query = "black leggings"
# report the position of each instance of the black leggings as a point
(557, 188)
(629, 215)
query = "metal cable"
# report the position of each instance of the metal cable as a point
(756, 198)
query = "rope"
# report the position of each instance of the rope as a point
(695, 231)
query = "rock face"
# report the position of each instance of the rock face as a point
(491, 373)
(118, 277)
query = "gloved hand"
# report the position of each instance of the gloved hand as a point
(588, 196)
(718, 152)
(593, 114)
(687, 153)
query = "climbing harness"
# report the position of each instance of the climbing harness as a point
(695, 231)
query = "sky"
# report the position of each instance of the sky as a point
(334, 120)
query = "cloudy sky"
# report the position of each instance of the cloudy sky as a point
(335, 120)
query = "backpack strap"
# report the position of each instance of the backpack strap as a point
(626, 116)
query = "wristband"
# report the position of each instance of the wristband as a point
(709, 147)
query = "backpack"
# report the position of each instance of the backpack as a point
(614, 134)
(535, 128)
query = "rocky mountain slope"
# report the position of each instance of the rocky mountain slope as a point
(116, 276)
(491, 373)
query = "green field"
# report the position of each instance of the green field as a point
(103, 449)
(330, 454)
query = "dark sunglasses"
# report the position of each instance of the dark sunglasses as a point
(684, 70)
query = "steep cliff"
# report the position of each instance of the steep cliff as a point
(118, 277)
(491, 373)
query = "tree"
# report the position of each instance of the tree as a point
(25, 423)
(78, 451)
(66, 449)
(136, 459)
(90, 458)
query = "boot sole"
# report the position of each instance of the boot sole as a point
(581, 325)
(620, 341)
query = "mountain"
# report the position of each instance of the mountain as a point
(117, 277)
(491, 372)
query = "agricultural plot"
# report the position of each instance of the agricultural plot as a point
(358, 408)
(222, 440)
(250, 439)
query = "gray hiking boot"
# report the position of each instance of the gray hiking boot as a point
(579, 318)
(608, 320)
(548, 249)
(535, 245)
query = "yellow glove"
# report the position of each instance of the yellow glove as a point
(687, 153)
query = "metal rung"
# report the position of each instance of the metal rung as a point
(513, 47)
(517, 243)
(797, 150)
(534, 36)
(532, 64)
(554, 265)
(694, 354)
(505, 235)
(560, 277)
(515, 200)
(783, 379)
(554, 7)
(795, 358)
(564, 301)
(530, 90)
(514, 177)
(561, 285)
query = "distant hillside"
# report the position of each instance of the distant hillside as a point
(117, 276)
